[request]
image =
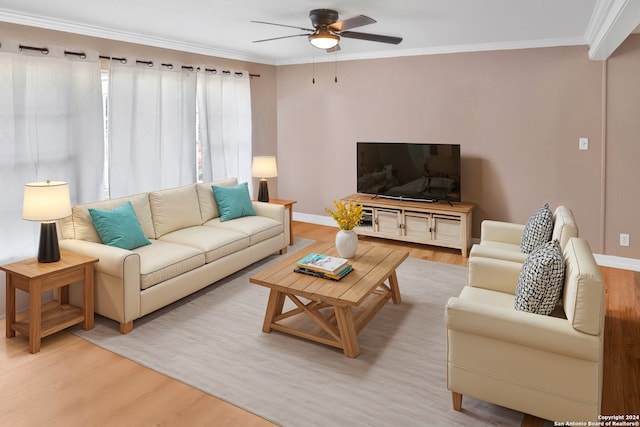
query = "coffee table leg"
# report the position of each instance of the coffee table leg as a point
(395, 289)
(274, 308)
(347, 329)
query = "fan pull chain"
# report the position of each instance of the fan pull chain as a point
(335, 72)
(313, 80)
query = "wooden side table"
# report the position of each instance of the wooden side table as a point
(288, 204)
(35, 278)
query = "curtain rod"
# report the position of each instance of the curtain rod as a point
(45, 51)
(83, 55)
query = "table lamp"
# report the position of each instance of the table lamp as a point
(264, 167)
(47, 202)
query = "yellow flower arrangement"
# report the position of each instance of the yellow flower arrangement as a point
(347, 215)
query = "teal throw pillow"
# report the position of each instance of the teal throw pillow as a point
(233, 202)
(119, 227)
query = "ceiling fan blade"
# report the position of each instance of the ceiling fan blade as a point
(356, 21)
(371, 37)
(283, 25)
(278, 38)
(336, 48)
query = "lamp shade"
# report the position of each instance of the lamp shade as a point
(46, 201)
(264, 167)
(324, 40)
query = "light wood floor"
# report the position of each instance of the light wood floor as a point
(71, 382)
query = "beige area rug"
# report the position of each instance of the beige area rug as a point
(213, 341)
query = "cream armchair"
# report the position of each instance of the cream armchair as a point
(501, 240)
(546, 366)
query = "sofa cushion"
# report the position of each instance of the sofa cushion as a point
(162, 261)
(80, 224)
(583, 297)
(208, 205)
(233, 202)
(537, 230)
(174, 209)
(119, 227)
(214, 243)
(257, 228)
(541, 278)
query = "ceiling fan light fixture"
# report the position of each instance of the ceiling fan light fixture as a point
(324, 40)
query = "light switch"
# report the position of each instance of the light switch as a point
(583, 143)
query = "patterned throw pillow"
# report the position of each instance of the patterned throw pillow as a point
(538, 230)
(541, 279)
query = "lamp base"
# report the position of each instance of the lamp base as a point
(263, 191)
(49, 251)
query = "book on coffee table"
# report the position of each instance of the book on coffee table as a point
(322, 275)
(323, 263)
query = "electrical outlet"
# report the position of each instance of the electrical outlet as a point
(583, 143)
(624, 239)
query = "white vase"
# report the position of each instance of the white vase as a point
(347, 243)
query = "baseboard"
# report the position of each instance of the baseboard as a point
(314, 219)
(618, 262)
(602, 260)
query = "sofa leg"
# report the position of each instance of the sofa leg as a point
(283, 251)
(457, 401)
(125, 328)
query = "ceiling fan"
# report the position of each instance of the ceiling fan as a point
(327, 30)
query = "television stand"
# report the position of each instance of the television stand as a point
(435, 223)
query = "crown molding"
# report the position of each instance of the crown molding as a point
(480, 47)
(611, 23)
(105, 33)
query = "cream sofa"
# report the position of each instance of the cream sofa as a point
(546, 366)
(190, 248)
(501, 240)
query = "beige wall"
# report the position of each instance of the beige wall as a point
(516, 114)
(623, 149)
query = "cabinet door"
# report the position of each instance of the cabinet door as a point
(366, 224)
(417, 225)
(447, 228)
(387, 221)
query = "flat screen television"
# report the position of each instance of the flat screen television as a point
(409, 171)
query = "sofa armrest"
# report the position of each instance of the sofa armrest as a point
(544, 333)
(270, 210)
(117, 280)
(277, 212)
(499, 231)
(491, 251)
(494, 274)
(112, 260)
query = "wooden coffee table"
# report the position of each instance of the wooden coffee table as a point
(326, 311)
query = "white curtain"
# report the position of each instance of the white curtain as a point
(152, 125)
(224, 125)
(51, 127)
